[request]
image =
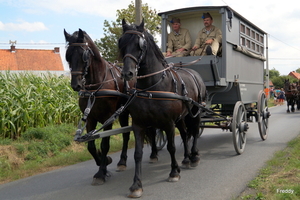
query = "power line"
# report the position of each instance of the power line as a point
(285, 58)
(284, 42)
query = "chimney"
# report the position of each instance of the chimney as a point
(13, 47)
(56, 50)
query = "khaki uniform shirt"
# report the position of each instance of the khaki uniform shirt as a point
(179, 40)
(215, 33)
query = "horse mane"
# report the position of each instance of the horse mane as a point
(152, 45)
(128, 38)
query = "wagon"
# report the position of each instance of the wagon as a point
(235, 78)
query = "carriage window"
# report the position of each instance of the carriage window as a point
(242, 28)
(253, 34)
(261, 39)
(253, 46)
(251, 39)
(248, 31)
(262, 50)
(257, 48)
(243, 41)
(248, 44)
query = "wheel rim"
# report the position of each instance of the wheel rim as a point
(201, 129)
(263, 115)
(239, 127)
(160, 139)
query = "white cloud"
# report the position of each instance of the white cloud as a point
(23, 26)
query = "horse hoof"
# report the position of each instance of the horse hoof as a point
(121, 168)
(174, 179)
(185, 164)
(109, 160)
(101, 181)
(98, 181)
(136, 194)
(153, 160)
(195, 162)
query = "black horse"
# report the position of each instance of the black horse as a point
(101, 88)
(163, 98)
(291, 95)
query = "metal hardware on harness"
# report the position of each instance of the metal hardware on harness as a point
(154, 95)
(83, 121)
(92, 134)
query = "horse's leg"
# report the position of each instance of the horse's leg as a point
(136, 189)
(193, 130)
(288, 105)
(101, 175)
(175, 170)
(182, 129)
(91, 125)
(151, 134)
(121, 166)
(97, 155)
(293, 105)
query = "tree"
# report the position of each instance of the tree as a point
(298, 70)
(108, 45)
(278, 82)
(273, 73)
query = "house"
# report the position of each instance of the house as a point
(295, 75)
(33, 60)
(271, 85)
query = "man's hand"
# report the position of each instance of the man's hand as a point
(209, 41)
(195, 48)
(180, 50)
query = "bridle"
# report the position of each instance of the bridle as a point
(142, 45)
(87, 51)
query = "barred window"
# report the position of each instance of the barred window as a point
(251, 39)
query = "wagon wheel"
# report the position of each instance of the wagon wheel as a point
(160, 139)
(201, 129)
(239, 127)
(263, 115)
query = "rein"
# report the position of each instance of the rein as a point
(169, 67)
(93, 94)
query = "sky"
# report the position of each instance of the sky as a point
(40, 24)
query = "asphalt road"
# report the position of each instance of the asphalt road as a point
(221, 174)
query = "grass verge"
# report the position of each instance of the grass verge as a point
(280, 178)
(45, 149)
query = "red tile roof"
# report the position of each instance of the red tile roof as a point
(295, 75)
(30, 59)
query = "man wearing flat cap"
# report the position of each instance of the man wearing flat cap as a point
(179, 40)
(208, 39)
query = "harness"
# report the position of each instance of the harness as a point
(149, 94)
(90, 93)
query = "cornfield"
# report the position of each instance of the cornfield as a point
(28, 100)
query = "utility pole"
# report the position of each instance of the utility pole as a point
(138, 12)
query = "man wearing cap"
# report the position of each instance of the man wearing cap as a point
(179, 40)
(208, 39)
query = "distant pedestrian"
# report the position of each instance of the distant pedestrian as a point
(281, 97)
